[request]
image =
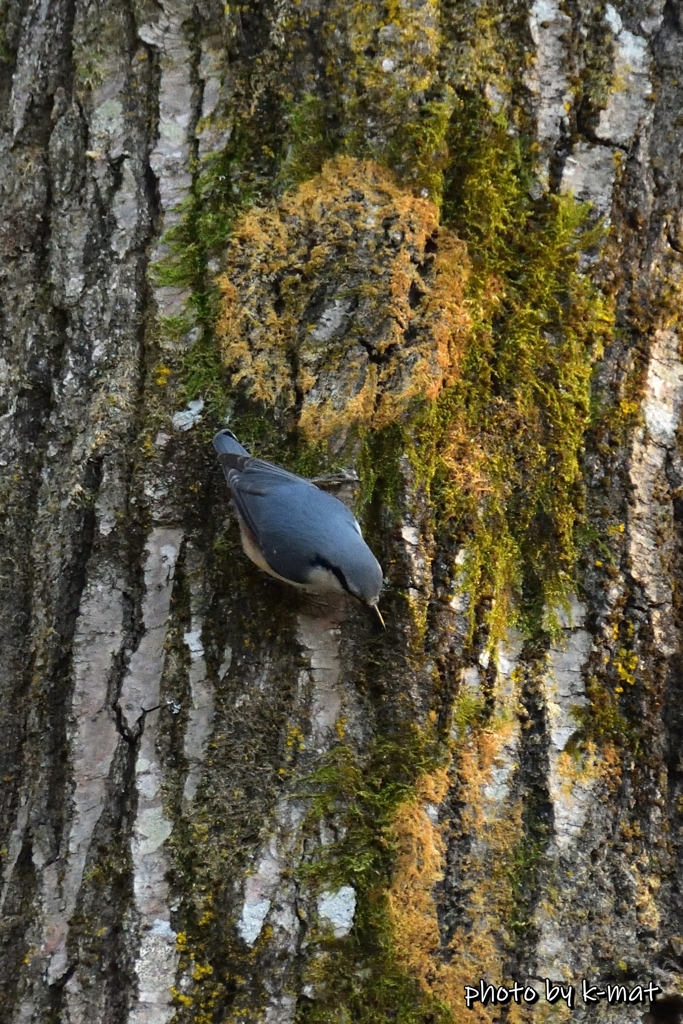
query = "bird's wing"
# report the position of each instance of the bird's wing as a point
(245, 497)
(265, 498)
(300, 527)
(257, 469)
(277, 521)
(232, 465)
(293, 522)
(268, 471)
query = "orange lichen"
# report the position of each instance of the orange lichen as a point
(477, 952)
(344, 300)
(418, 869)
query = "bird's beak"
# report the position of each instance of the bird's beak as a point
(378, 614)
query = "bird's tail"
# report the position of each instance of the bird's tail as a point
(226, 443)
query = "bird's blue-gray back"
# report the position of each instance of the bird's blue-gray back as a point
(298, 525)
(294, 530)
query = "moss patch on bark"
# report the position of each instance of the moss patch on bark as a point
(394, 290)
(343, 303)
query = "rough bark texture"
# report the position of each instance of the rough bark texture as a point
(222, 803)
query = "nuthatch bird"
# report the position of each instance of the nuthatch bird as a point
(295, 531)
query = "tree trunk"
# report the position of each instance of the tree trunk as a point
(435, 244)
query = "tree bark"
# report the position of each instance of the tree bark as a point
(355, 233)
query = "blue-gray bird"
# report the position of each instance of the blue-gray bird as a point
(295, 531)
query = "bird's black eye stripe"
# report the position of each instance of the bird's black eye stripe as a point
(324, 564)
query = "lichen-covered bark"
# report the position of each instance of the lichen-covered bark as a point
(354, 231)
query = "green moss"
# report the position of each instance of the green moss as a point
(596, 81)
(495, 457)
(261, 159)
(527, 857)
(498, 453)
(202, 376)
(525, 861)
(359, 979)
(419, 151)
(602, 720)
(90, 69)
(378, 466)
(224, 185)
(208, 993)
(615, 714)
(523, 400)
(367, 793)
(99, 33)
(309, 141)
(469, 711)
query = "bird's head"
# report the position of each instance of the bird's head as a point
(363, 575)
